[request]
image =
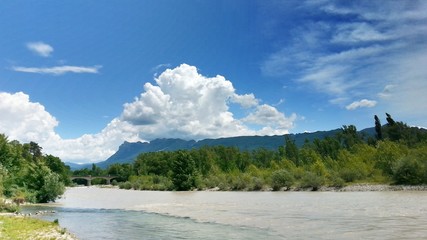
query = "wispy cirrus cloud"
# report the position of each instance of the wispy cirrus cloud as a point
(58, 70)
(355, 50)
(40, 48)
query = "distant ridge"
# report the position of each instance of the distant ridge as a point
(128, 152)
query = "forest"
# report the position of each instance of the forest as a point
(397, 154)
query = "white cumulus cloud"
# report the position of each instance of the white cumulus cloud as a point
(187, 104)
(361, 103)
(246, 100)
(181, 104)
(40, 48)
(25, 120)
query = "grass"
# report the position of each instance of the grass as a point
(12, 227)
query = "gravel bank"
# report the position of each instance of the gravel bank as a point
(374, 188)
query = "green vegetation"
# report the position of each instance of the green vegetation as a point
(30, 228)
(397, 154)
(26, 175)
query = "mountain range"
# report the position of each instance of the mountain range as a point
(128, 151)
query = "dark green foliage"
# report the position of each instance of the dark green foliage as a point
(378, 131)
(183, 172)
(28, 175)
(57, 166)
(34, 149)
(349, 136)
(412, 168)
(122, 171)
(409, 170)
(390, 120)
(291, 150)
(328, 147)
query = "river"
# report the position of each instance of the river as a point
(103, 213)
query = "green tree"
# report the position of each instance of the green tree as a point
(389, 119)
(122, 171)
(52, 188)
(291, 150)
(183, 172)
(349, 136)
(35, 150)
(56, 165)
(378, 131)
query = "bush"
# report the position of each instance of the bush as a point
(312, 180)
(256, 184)
(114, 182)
(125, 185)
(8, 207)
(336, 181)
(409, 170)
(281, 178)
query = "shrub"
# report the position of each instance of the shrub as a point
(8, 207)
(114, 182)
(336, 181)
(125, 185)
(409, 170)
(256, 184)
(312, 180)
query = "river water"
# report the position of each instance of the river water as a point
(102, 213)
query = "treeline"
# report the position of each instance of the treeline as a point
(28, 175)
(397, 154)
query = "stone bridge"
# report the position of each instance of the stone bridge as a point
(89, 178)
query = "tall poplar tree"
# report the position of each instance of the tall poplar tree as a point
(378, 128)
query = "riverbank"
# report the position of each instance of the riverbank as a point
(359, 187)
(375, 188)
(19, 227)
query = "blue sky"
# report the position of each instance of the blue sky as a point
(81, 77)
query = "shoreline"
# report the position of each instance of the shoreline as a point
(358, 187)
(14, 226)
(366, 187)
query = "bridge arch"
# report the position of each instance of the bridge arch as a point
(89, 178)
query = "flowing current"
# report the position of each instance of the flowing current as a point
(102, 213)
